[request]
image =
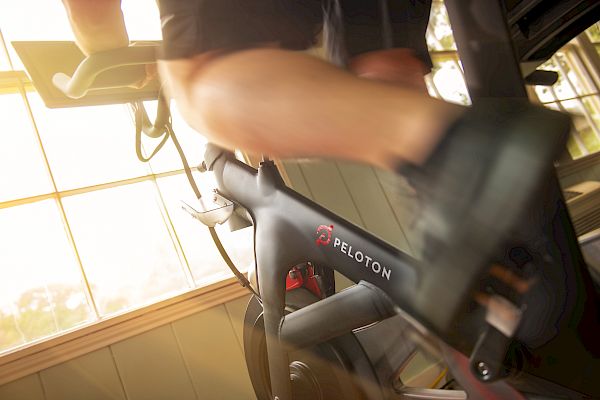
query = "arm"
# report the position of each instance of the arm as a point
(98, 25)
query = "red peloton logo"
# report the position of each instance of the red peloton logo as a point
(324, 235)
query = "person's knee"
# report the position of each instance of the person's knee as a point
(185, 81)
(398, 66)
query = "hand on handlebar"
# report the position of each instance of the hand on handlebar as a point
(151, 74)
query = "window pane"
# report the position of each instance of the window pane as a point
(592, 105)
(125, 247)
(202, 255)
(583, 124)
(573, 67)
(594, 32)
(47, 20)
(439, 34)
(142, 19)
(4, 64)
(41, 291)
(545, 94)
(575, 147)
(450, 83)
(564, 88)
(33, 20)
(24, 173)
(88, 145)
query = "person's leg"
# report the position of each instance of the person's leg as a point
(305, 107)
(311, 102)
(474, 169)
(289, 104)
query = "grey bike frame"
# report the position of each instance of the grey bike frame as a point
(291, 229)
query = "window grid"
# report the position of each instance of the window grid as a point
(583, 141)
(174, 236)
(57, 196)
(58, 199)
(569, 62)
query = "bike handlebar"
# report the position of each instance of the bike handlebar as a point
(85, 76)
(127, 67)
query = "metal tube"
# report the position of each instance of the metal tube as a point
(353, 308)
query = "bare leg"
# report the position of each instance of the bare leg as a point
(289, 104)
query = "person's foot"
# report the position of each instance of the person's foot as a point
(474, 188)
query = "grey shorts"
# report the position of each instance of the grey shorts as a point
(191, 27)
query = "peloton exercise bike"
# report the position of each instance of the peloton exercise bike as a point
(304, 341)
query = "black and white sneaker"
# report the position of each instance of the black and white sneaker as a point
(474, 188)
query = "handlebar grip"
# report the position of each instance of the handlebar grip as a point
(61, 81)
(129, 61)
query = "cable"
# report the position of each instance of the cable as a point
(213, 233)
(186, 165)
(241, 278)
(139, 114)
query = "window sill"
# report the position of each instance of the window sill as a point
(39, 356)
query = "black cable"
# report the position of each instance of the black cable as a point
(213, 233)
(241, 278)
(186, 165)
(139, 114)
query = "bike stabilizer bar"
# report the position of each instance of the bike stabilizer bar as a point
(353, 308)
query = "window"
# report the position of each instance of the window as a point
(86, 230)
(576, 90)
(446, 79)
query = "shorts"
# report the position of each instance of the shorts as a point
(192, 27)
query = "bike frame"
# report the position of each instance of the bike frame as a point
(555, 347)
(291, 229)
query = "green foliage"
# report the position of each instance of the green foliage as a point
(43, 311)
